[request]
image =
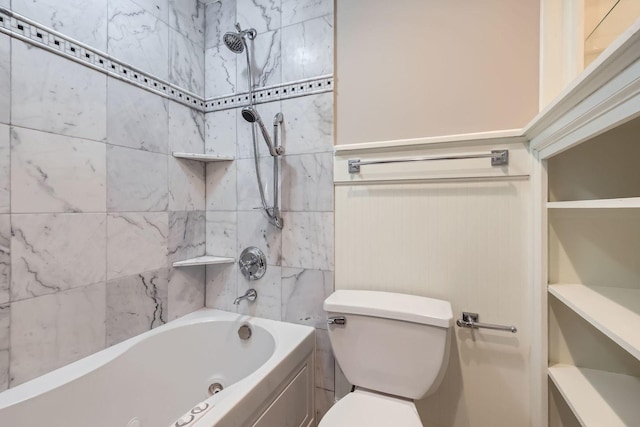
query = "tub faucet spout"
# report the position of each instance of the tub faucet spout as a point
(250, 295)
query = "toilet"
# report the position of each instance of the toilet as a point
(394, 348)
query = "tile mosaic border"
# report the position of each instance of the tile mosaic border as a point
(29, 31)
(272, 93)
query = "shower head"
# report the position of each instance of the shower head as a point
(250, 114)
(235, 41)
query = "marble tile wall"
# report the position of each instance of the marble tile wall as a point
(295, 41)
(93, 208)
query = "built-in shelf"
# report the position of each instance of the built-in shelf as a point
(204, 260)
(598, 398)
(203, 157)
(613, 311)
(626, 203)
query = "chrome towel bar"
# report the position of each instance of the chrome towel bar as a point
(470, 320)
(498, 158)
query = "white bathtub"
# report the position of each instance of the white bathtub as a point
(157, 378)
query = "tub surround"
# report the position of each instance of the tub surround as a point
(97, 149)
(93, 208)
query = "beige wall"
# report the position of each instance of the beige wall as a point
(416, 68)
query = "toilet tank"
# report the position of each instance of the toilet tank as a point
(391, 343)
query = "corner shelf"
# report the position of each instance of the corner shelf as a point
(625, 203)
(613, 311)
(203, 157)
(204, 260)
(598, 398)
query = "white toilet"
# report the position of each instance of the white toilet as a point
(394, 348)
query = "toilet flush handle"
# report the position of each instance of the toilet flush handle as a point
(337, 320)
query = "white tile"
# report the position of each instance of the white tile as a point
(139, 38)
(137, 242)
(5, 322)
(186, 129)
(5, 258)
(220, 18)
(55, 173)
(307, 49)
(263, 15)
(220, 135)
(222, 63)
(221, 186)
(221, 234)
(77, 94)
(186, 185)
(222, 286)
(269, 300)
(308, 121)
(294, 11)
(267, 112)
(307, 182)
(53, 330)
(5, 3)
(188, 18)
(186, 290)
(303, 293)
(324, 402)
(266, 62)
(248, 190)
(307, 240)
(5, 169)
(342, 385)
(5, 78)
(157, 8)
(55, 252)
(186, 235)
(324, 361)
(186, 63)
(136, 304)
(83, 20)
(136, 118)
(255, 230)
(136, 180)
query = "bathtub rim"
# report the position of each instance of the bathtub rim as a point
(287, 337)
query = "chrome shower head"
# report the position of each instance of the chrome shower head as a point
(235, 41)
(250, 114)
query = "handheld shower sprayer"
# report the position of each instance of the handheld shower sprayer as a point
(251, 115)
(236, 43)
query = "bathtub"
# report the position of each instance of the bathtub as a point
(165, 377)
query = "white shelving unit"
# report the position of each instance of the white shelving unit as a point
(613, 311)
(203, 157)
(586, 142)
(598, 398)
(204, 260)
(624, 203)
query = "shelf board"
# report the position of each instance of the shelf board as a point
(598, 398)
(613, 311)
(204, 260)
(203, 157)
(626, 203)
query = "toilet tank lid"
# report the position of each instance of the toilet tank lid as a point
(390, 305)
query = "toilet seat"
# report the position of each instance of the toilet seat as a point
(367, 409)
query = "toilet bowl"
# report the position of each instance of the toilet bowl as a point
(394, 348)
